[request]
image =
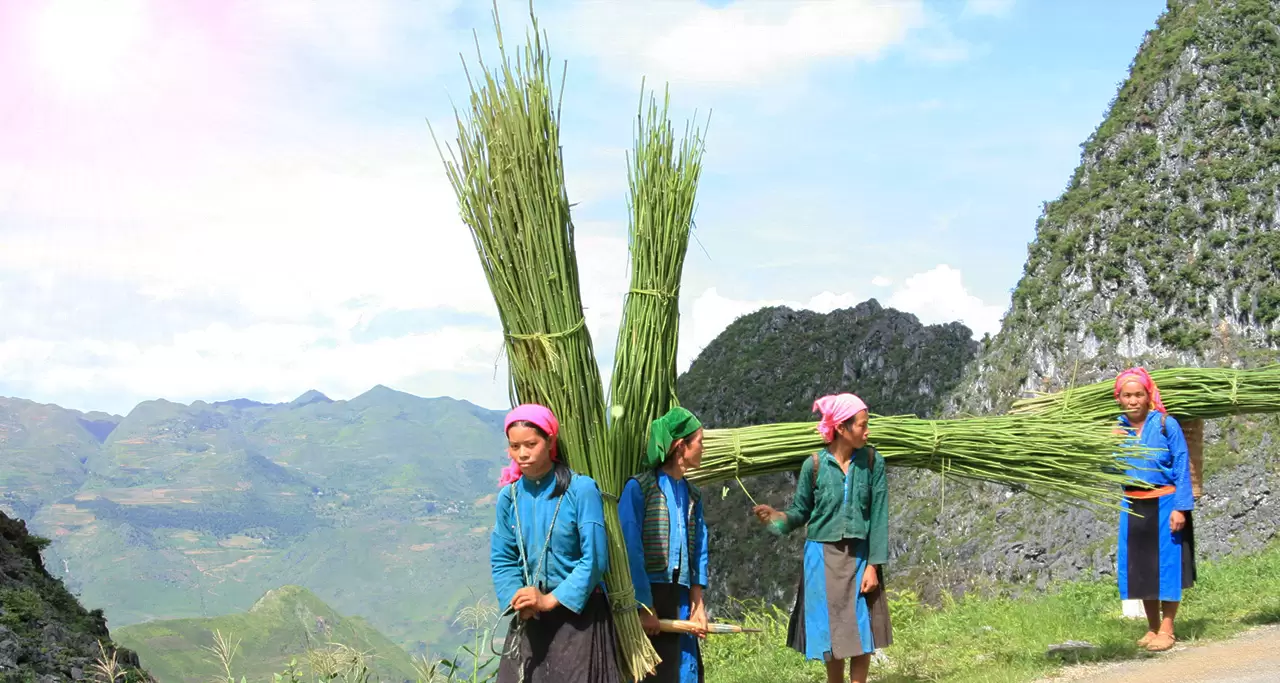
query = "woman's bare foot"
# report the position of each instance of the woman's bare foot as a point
(1163, 641)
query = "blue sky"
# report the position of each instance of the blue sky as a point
(213, 200)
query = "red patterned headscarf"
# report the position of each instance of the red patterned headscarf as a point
(1142, 377)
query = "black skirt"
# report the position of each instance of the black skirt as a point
(671, 601)
(562, 647)
(1152, 562)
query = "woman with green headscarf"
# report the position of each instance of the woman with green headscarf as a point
(666, 536)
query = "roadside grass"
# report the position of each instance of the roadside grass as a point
(1005, 640)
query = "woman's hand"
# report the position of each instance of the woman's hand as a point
(698, 611)
(698, 616)
(525, 598)
(529, 601)
(649, 622)
(766, 514)
(870, 579)
(1177, 520)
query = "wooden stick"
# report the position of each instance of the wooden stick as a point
(681, 626)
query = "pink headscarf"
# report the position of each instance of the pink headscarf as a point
(534, 414)
(836, 409)
(1141, 376)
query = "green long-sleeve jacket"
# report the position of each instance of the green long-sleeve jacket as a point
(852, 506)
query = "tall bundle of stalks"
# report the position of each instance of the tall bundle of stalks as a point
(508, 174)
(1203, 393)
(1047, 457)
(663, 183)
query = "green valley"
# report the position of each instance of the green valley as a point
(379, 505)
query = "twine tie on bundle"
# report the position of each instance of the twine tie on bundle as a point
(653, 292)
(543, 339)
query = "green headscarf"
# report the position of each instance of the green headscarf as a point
(676, 424)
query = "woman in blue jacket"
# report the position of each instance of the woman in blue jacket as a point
(1155, 559)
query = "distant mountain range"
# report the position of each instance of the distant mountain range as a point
(380, 505)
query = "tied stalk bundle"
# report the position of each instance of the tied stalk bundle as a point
(1051, 458)
(1203, 393)
(508, 175)
(663, 180)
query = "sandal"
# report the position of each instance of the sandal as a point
(1144, 640)
(1162, 642)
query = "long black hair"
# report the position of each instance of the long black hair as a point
(563, 474)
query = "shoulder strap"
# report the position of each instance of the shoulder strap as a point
(815, 470)
(871, 469)
(1164, 429)
(645, 479)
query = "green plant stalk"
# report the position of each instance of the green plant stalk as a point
(508, 174)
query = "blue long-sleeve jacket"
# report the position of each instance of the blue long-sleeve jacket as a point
(1168, 464)
(631, 514)
(578, 554)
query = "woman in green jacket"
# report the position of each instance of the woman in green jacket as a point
(841, 611)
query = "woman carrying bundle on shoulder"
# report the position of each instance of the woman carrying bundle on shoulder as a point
(666, 536)
(1155, 559)
(548, 555)
(841, 610)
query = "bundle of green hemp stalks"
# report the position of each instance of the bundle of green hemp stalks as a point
(1043, 455)
(1204, 393)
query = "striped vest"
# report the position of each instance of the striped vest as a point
(656, 532)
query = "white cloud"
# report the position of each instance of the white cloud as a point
(284, 235)
(749, 42)
(989, 8)
(939, 296)
(881, 281)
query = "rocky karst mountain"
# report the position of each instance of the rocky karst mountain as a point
(1165, 247)
(769, 366)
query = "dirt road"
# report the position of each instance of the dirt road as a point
(1253, 657)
